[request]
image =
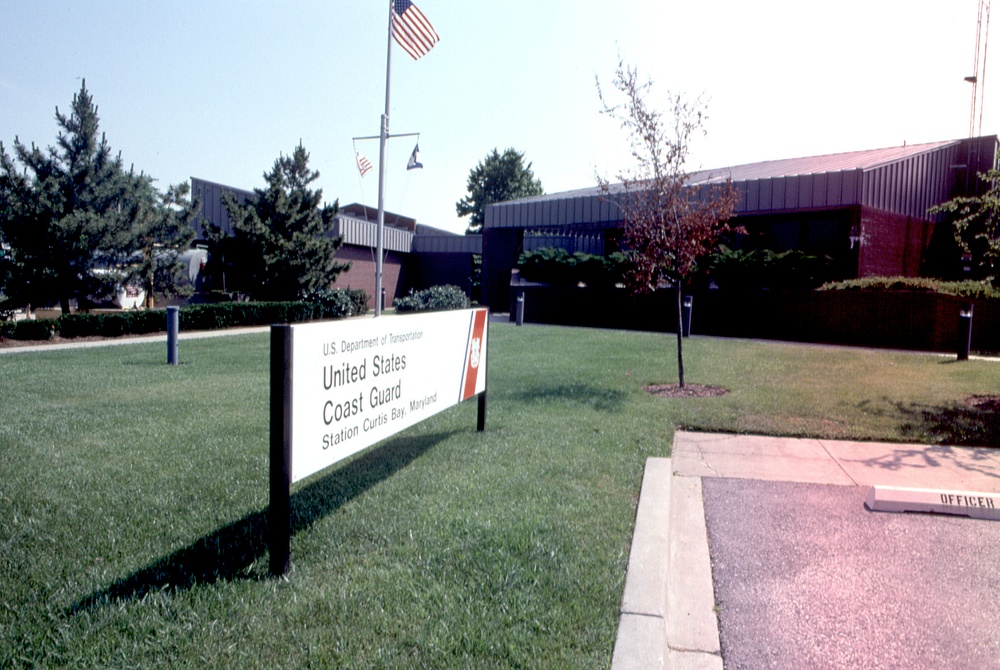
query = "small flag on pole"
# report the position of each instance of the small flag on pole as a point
(414, 162)
(364, 165)
(411, 29)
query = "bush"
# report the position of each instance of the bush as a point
(236, 314)
(37, 329)
(112, 324)
(973, 290)
(340, 303)
(766, 268)
(78, 325)
(434, 299)
(557, 266)
(334, 304)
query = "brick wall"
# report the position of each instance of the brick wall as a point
(892, 244)
(361, 275)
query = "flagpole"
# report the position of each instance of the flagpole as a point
(383, 136)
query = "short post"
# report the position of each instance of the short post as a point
(383, 299)
(173, 326)
(481, 413)
(686, 308)
(965, 332)
(519, 313)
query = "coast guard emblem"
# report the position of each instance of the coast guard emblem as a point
(474, 354)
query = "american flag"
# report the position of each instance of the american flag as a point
(411, 29)
(364, 165)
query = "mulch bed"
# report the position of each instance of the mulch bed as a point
(689, 391)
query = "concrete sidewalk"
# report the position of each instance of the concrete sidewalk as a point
(669, 614)
(136, 339)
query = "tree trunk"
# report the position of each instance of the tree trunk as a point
(64, 305)
(680, 333)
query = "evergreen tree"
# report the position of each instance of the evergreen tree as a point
(70, 211)
(497, 178)
(164, 227)
(282, 247)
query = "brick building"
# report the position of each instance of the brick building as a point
(867, 210)
(415, 256)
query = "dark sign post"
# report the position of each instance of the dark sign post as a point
(279, 511)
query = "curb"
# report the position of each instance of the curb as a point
(667, 617)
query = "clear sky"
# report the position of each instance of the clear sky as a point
(217, 90)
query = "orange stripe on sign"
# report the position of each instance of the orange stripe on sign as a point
(474, 356)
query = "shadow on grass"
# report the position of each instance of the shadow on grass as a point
(231, 552)
(955, 424)
(600, 399)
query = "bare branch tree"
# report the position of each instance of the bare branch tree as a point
(670, 222)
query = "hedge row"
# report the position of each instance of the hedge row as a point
(334, 304)
(973, 290)
(556, 266)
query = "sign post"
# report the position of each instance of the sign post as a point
(338, 387)
(280, 507)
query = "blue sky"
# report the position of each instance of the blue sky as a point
(217, 90)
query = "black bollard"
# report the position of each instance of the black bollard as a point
(686, 307)
(173, 326)
(519, 315)
(964, 332)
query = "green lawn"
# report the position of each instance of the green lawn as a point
(133, 498)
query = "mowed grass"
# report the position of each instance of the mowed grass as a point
(133, 498)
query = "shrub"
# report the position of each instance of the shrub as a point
(340, 303)
(235, 314)
(973, 290)
(112, 324)
(78, 325)
(766, 268)
(36, 329)
(557, 266)
(434, 299)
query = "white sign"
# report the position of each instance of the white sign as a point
(357, 382)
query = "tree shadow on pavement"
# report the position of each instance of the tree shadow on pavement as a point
(233, 552)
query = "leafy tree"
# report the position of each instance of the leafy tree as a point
(282, 247)
(497, 178)
(669, 223)
(976, 222)
(74, 219)
(164, 228)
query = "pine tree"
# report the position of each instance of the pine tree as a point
(70, 211)
(282, 247)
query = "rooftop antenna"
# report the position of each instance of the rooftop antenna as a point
(978, 78)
